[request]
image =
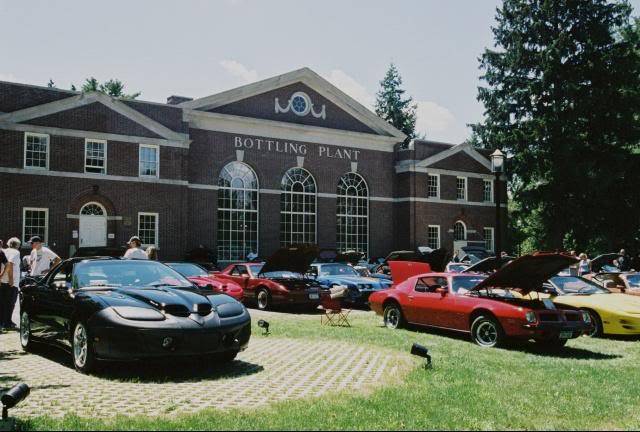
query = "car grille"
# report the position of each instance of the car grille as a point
(549, 317)
(573, 316)
(177, 310)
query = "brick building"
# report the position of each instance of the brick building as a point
(285, 160)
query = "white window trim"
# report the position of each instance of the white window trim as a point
(154, 146)
(437, 189)
(157, 228)
(466, 231)
(466, 189)
(86, 142)
(24, 154)
(439, 238)
(46, 222)
(491, 197)
(493, 237)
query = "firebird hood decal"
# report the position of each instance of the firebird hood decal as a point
(403, 270)
(296, 259)
(528, 272)
(171, 300)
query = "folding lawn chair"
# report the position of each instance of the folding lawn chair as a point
(333, 312)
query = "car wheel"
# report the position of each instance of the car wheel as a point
(26, 340)
(393, 318)
(596, 330)
(81, 349)
(263, 299)
(487, 332)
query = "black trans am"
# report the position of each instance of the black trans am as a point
(114, 309)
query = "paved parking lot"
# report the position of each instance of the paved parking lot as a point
(270, 370)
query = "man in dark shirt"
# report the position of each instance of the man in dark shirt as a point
(4, 296)
(624, 262)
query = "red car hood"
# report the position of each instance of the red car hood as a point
(403, 270)
(296, 259)
(528, 272)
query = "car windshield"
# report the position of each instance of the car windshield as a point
(363, 271)
(463, 284)
(633, 280)
(457, 268)
(337, 270)
(126, 274)
(256, 268)
(188, 269)
(576, 285)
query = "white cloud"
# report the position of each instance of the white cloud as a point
(433, 118)
(238, 70)
(350, 86)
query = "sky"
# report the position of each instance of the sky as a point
(197, 48)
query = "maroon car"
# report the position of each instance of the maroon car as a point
(199, 275)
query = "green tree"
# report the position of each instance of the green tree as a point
(112, 87)
(393, 106)
(562, 98)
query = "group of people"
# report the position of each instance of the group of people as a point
(135, 250)
(624, 262)
(38, 262)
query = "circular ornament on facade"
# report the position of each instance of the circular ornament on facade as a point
(300, 103)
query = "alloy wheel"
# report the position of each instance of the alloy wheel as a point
(487, 334)
(392, 317)
(80, 345)
(25, 330)
(263, 299)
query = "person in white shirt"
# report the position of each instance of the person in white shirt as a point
(134, 251)
(42, 258)
(10, 283)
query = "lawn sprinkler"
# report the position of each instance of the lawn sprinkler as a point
(265, 326)
(422, 351)
(10, 399)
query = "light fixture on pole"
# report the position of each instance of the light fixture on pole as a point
(497, 167)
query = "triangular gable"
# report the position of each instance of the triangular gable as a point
(48, 112)
(308, 78)
(459, 151)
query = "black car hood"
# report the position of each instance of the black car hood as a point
(489, 264)
(296, 259)
(602, 260)
(528, 272)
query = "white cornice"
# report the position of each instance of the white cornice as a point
(289, 131)
(90, 176)
(411, 166)
(464, 147)
(309, 78)
(80, 100)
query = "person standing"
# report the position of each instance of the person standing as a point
(135, 251)
(10, 283)
(152, 253)
(624, 261)
(584, 266)
(42, 258)
(3, 295)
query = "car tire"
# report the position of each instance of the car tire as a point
(597, 324)
(487, 332)
(82, 355)
(393, 317)
(26, 339)
(263, 299)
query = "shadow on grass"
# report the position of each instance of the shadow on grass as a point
(174, 370)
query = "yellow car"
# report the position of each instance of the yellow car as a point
(611, 314)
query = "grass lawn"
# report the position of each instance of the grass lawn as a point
(592, 385)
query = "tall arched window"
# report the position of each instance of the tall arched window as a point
(297, 207)
(237, 212)
(459, 231)
(353, 214)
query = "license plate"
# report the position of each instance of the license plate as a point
(566, 335)
(314, 296)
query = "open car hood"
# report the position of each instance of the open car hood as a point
(528, 272)
(437, 259)
(296, 259)
(602, 260)
(489, 264)
(403, 270)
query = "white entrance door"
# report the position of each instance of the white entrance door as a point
(93, 231)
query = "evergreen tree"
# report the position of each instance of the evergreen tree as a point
(562, 98)
(112, 87)
(393, 106)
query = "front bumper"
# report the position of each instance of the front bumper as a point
(115, 338)
(555, 330)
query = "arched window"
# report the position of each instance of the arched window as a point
(92, 209)
(237, 212)
(297, 207)
(459, 231)
(353, 214)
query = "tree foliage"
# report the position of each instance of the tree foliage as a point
(112, 87)
(393, 106)
(562, 98)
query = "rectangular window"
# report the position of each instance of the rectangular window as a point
(488, 190)
(149, 160)
(35, 222)
(433, 236)
(148, 228)
(488, 239)
(461, 188)
(95, 156)
(433, 186)
(36, 151)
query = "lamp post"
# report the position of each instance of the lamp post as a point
(497, 167)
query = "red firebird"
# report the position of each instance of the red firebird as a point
(281, 280)
(199, 276)
(490, 308)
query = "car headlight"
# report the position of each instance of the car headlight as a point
(531, 317)
(138, 313)
(586, 317)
